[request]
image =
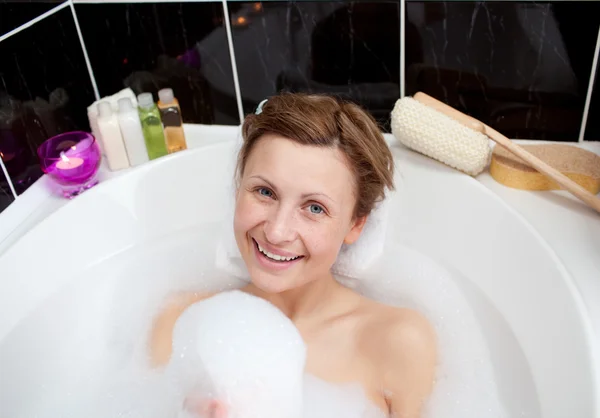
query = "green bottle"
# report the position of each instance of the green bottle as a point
(152, 128)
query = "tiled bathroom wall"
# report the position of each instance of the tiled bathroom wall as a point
(592, 127)
(526, 68)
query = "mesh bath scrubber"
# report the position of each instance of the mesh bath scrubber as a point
(440, 137)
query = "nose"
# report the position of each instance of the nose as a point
(280, 225)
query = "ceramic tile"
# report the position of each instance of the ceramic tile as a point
(522, 67)
(6, 196)
(347, 48)
(592, 129)
(16, 13)
(44, 90)
(150, 46)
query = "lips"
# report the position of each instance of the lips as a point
(276, 256)
(274, 261)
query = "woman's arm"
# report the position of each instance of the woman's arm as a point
(161, 335)
(409, 363)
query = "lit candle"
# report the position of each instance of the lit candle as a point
(67, 163)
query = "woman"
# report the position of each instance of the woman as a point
(309, 173)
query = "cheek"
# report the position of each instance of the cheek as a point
(323, 241)
(248, 213)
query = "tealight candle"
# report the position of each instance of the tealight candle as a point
(72, 160)
(67, 163)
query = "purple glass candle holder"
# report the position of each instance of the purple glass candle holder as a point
(72, 160)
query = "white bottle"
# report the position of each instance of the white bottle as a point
(108, 125)
(131, 129)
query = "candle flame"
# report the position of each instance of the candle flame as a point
(74, 148)
(64, 157)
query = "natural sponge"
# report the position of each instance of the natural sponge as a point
(581, 166)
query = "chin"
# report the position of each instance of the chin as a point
(270, 283)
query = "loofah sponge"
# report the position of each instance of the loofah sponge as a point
(581, 166)
(418, 127)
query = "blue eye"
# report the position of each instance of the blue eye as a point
(316, 209)
(265, 192)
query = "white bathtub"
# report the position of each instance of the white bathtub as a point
(538, 331)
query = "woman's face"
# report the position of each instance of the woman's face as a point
(294, 209)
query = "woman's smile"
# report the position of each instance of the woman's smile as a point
(272, 259)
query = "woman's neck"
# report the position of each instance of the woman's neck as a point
(303, 302)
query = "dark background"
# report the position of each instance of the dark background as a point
(522, 67)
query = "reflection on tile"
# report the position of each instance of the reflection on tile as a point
(6, 196)
(592, 128)
(44, 90)
(16, 13)
(351, 49)
(522, 67)
(151, 46)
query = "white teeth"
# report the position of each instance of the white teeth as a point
(275, 256)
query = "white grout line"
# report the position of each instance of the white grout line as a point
(8, 179)
(34, 21)
(588, 98)
(402, 47)
(84, 49)
(236, 81)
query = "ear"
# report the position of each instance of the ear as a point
(357, 227)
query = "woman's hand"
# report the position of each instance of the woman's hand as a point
(205, 408)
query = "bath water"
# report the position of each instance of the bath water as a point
(84, 351)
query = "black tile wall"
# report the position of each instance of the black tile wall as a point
(44, 90)
(14, 13)
(348, 48)
(592, 129)
(6, 196)
(151, 46)
(521, 67)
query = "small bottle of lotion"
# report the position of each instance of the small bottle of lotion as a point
(131, 129)
(170, 113)
(108, 125)
(151, 126)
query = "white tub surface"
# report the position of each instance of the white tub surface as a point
(529, 264)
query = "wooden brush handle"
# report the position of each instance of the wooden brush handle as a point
(470, 122)
(460, 117)
(567, 184)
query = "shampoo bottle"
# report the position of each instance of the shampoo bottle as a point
(170, 114)
(131, 129)
(108, 126)
(151, 126)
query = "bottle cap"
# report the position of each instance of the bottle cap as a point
(104, 109)
(166, 96)
(145, 100)
(125, 104)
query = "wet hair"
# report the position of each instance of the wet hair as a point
(329, 122)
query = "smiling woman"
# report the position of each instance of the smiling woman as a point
(309, 172)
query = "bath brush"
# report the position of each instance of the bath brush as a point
(581, 166)
(441, 132)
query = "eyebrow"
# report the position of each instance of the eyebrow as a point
(304, 196)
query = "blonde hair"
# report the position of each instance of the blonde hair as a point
(325, 121)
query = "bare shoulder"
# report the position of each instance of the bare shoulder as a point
(399, 330)
(161, 335)
(406, 328)
(407, 358)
